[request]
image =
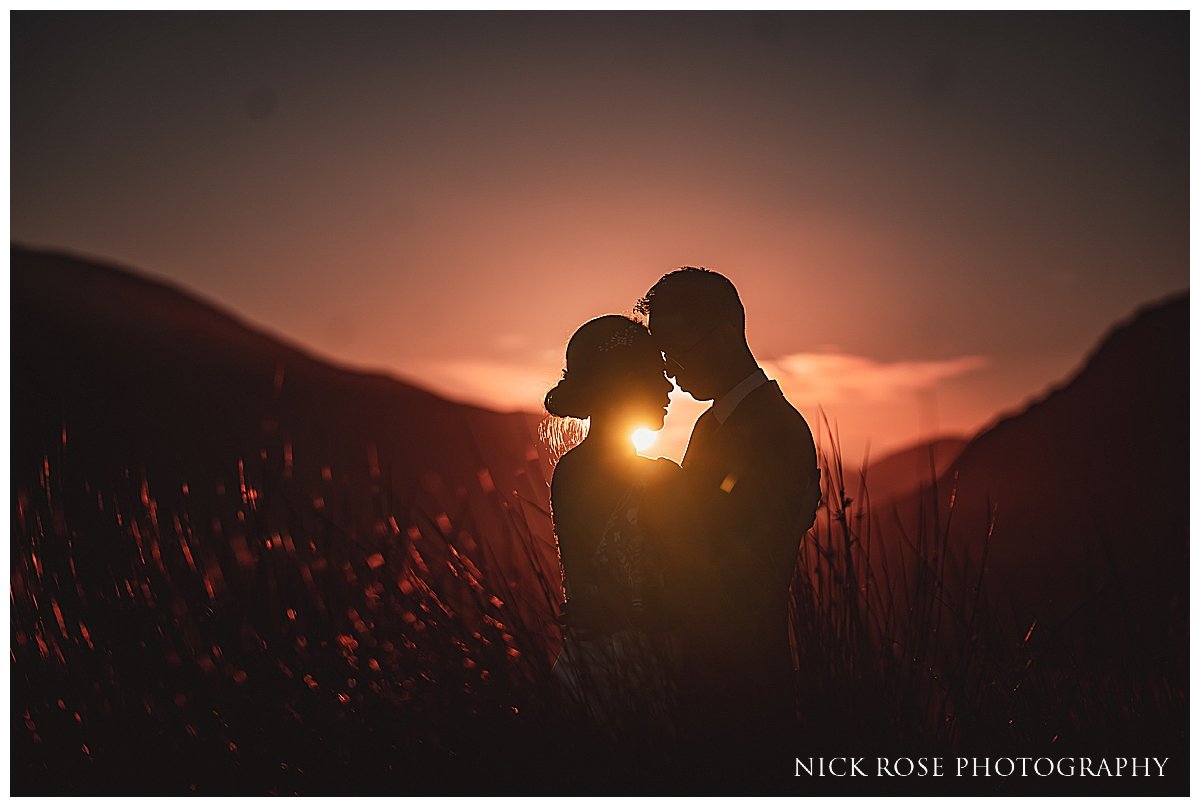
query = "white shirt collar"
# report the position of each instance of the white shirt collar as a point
(723, 407)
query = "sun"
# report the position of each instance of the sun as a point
(643, 439)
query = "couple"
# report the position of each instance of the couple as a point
(677, 577)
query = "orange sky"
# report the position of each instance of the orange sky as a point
(930, 218)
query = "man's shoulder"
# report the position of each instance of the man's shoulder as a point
(768, 413)
(766, 432)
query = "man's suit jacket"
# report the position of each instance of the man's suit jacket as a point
(752, 490)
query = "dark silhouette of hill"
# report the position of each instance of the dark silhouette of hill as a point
(902, 473)
(139, 373)
(295, 562)
(1042, 582)
(1089, 490)
(144, 376)
(139, 367)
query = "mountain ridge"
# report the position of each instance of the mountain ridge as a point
(118, 379)
(1086, 488)
(131, 282)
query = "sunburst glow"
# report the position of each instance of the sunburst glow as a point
(643, 438)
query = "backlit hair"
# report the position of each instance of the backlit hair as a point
(702, 297)
(599, 353)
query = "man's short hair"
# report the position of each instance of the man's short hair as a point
(704, 297)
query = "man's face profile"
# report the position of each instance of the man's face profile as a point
(682, 344)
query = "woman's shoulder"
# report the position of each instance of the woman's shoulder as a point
(574, 477)
(567, 471)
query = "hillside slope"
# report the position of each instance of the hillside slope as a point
(118, 379)
(1088, 487)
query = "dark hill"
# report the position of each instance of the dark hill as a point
(902, 473)
(227, 554)
(138, 376)
(1089, 488)
(145, 373)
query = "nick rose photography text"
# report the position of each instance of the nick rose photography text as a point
(981, 766)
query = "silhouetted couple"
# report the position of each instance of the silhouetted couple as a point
(677, 577)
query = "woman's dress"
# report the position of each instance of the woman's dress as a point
(615, 660)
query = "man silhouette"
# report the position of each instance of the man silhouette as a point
(751, 491)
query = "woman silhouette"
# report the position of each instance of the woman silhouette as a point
(614, 651)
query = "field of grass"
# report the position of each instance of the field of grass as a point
(267, 633)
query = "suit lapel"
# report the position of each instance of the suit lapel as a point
(702, 434)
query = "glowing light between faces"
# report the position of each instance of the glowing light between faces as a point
(643, 439)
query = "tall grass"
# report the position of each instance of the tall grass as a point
(888, 644)
(265, 633)
(903, 646)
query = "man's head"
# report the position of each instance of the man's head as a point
(698, 321)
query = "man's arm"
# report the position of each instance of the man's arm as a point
(755, 518)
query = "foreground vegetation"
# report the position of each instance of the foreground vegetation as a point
(265, 633)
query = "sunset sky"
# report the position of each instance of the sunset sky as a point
(930, 218)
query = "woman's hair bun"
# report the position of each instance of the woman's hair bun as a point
(596, 354)
(567, 400)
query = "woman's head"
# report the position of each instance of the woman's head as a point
(613, 369)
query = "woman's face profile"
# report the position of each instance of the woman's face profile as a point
(641, 396)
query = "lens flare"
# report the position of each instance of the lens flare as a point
(643, 439)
